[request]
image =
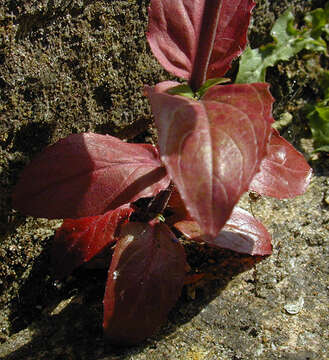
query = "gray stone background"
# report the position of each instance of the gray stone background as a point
(69, 66)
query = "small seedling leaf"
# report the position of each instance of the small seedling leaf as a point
(183, 90)
(242, 233)
(210, 83)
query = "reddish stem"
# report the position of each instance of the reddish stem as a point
(159, 203)
(209, 25)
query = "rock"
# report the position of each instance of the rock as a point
(73, 66)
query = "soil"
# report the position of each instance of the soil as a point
(69, 66)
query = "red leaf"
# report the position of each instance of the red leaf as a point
(144, 282)
(79, 240)
(213, 148)
(190, 36)
(284, 172)
(88, 174)
(231, 35)
(242, 233)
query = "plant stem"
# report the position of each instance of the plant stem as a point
(159, 203)
(206, 42)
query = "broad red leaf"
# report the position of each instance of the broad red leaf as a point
(198, 38)
(213, 148)
(242, 233)
(144, 282)
(79, 240)
(88, 174)
(284, 172)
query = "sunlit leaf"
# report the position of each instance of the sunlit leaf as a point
(288, 41)
(88, 174)
(201, 39)
(284, 172)
(212, 148)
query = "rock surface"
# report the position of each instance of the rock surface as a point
(73, 66)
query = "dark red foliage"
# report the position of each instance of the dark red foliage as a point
(198, 39)
(216, 142)
(79, 240)
(145, 280)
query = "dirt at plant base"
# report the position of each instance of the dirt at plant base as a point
(71, 66)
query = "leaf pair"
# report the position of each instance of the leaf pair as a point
(85, 175)
(146, 275)
(198, 39)
(213, 148)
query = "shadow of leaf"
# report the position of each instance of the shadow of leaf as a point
(68, 319)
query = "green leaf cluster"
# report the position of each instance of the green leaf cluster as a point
(288, 41)
(185, 89)
(318, 117)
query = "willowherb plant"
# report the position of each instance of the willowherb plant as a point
(215, 142)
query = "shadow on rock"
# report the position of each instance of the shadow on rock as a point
(64, 320)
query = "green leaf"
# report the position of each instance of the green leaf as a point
(325, 84)
(210, 83)
(319, 124)
(183, 90)
(318, 20)
(288, 41)
(324, 148)
(318, 116)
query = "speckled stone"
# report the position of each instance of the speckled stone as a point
(68, 66)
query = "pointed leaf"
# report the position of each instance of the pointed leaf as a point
(284, 172)
(242, 233)
(79, 240)
(144, 282)
(88, 174)
(183, 90)
(210, 83)
(213, 148)
(198, 38)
